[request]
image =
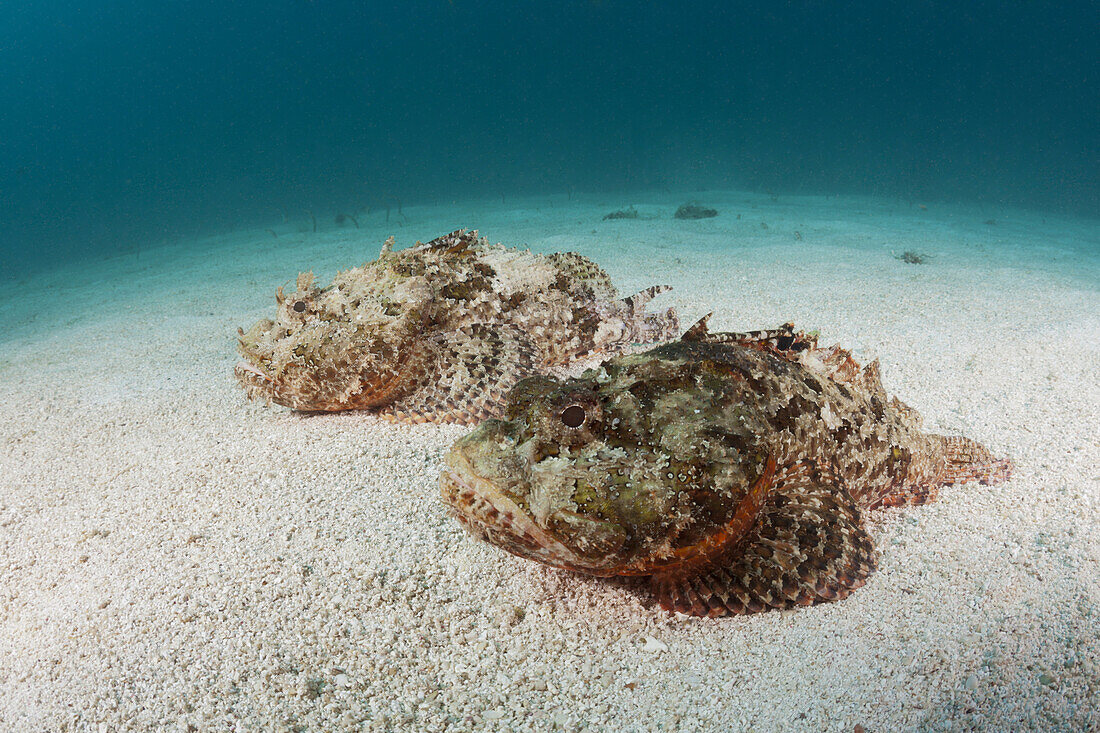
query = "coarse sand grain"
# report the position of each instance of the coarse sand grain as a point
(172, 557)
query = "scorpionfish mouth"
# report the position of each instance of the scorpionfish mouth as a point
(489, 514)
(256, 382)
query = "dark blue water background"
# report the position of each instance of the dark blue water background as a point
(126, 121)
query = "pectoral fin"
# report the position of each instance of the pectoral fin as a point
(807, 545)
(468, 378)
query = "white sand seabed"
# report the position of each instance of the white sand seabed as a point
(172, 557)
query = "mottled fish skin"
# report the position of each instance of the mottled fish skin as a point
(732, 469)
(439, 332)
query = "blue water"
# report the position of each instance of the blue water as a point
(130, 123)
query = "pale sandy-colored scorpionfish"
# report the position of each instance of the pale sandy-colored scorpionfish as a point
(733, 469)
(439, 332)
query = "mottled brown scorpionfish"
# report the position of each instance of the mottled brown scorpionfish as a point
(733, 469)
(439, 332)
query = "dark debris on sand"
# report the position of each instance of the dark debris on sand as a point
(628, 213)
(913, 258)
(694, 211)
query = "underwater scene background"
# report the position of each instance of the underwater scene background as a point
(129, 121)
(917, 182)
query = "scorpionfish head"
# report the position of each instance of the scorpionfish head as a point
(629, 470)
(347, 346)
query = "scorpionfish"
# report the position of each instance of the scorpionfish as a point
(732, 469)
(439, 332)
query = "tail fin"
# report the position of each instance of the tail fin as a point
(968, 460)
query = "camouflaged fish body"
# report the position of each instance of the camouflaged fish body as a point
(439, 332)
(730, 468)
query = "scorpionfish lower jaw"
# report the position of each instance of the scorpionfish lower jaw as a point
(490, 515)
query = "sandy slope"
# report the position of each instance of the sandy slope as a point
(171, 556)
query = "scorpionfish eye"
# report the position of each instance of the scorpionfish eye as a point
(573, 416)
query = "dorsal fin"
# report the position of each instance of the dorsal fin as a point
(460, 240)
(637, 302)
(699, 331)
(783, 341)
(836, 363)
